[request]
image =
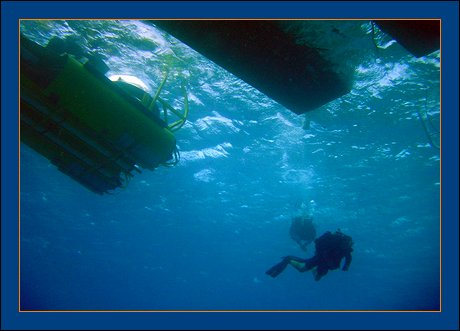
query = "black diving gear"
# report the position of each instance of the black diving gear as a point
(331, 248)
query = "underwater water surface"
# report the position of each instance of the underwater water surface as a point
(200, 235)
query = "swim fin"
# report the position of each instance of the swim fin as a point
(278, 268)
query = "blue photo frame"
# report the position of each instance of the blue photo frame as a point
(446, 319)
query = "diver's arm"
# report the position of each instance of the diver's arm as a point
(347, 263)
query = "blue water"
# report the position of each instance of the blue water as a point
(200, 235)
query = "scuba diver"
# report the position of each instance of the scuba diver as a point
(331, 248)
(302, 229)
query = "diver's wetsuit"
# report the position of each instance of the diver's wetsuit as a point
(331, 248)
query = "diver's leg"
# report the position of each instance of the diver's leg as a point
(306, 264)
(303, 265)
(298, 263)
(278, 268)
